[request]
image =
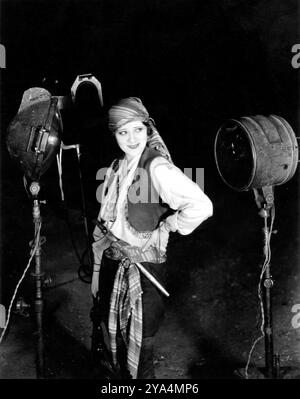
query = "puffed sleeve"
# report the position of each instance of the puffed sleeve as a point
(191, 204)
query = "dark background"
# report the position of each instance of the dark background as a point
(193, 63)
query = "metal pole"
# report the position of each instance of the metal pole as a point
(268, 325)
(89, 251)
(38, 303)
(268, 328)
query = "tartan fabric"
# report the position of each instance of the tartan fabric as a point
(120, 248)
(126, 308)
(125, 305)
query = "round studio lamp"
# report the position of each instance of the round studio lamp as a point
(33, 138)
(256, 151)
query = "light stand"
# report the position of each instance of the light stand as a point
(85, 81)
(84, 213)
(268, 285)
(259, 152)
(38, 275)
(33, 140)
(83, 203)
(265, 201)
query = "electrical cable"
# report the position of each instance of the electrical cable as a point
(37, 239)
(268, 234)
(59, 167)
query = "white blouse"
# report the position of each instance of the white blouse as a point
(191, 204)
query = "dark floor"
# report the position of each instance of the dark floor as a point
(213, 313)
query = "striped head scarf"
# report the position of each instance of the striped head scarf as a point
(132, 109)
(126, 110)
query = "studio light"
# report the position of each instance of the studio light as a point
(33, 138)
(259, 152)
(89, 83)
(33, 141)
(256, 151)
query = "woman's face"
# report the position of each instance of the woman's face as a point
(132, 138)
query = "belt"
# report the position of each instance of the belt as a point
(119, 250)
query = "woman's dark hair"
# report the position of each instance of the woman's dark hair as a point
(149, 128)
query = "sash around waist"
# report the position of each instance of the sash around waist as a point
(119, 250)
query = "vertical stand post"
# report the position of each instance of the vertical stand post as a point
(38, 303)
(89, 252)
(86, 229)
(265, 202)
(268, 327)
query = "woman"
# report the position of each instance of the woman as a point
(144, 198)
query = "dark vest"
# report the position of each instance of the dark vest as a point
(145, 207)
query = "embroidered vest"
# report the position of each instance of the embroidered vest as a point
(145, 207)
